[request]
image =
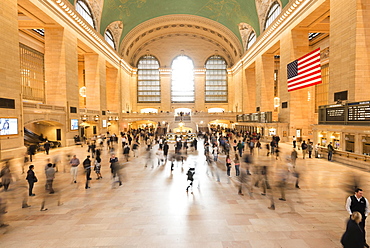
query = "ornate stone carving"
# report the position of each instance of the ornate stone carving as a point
(263, 7)
(116, 30)
(245, 30)
(96, 9)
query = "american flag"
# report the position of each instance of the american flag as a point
(305, 71)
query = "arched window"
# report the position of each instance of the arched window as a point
(272, 14)
(251, 39)
(108, 36)
(182, 85)
(216, 79)
(84, 10)
(148, 80)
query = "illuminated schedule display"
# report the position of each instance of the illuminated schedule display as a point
(335, 114)
(359, 111)
(351, 113)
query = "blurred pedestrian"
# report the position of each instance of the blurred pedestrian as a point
(237, 164)
(228, 165)
(50, 175)
(97, 167)
(190, 179)
(6, 176)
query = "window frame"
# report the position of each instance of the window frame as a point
(82, 5)
(216, 78)
(148, 82)
(251, 39)
(192, 92)
(271, 14)
(108, 34)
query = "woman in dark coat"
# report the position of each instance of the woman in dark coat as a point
(31, 178)
(353, 236)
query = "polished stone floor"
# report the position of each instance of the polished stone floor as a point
(152, 208)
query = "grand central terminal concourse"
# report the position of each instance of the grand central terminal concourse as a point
(184, 124)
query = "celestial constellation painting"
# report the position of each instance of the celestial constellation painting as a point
(125, 6)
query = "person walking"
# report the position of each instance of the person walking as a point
(237, 164)
(87, 166)
(310, 149)
(165, 149)
(294, 142)
(74, 162)
(190, 179)
(330, 151)
(293, 157)
(360, 204)
(126, 151)
(353, 236)
(228, 165)
(47, 147)
(50, 175)
(97, 167)
(304, 147)
(31, 178)
(6, 176)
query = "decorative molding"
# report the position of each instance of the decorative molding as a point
(134, 57)
(211, 28)
(263, 6)
(116, 30)
(245, 30)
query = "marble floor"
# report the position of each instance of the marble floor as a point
(152, 208)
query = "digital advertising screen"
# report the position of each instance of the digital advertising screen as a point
(8, 126)
(104, 123)
(74, 124)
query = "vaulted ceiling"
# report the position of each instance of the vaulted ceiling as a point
(211, 24)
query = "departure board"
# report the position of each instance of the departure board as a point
(335, 114)
(359, 111)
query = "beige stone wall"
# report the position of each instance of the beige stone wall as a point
(10, 146)
(265, 82)
(249, 91)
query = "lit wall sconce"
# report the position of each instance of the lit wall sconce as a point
(84, 118)
(346, 138)
(332, 137)
(110, 118)
(117, 118)
(364, 139)
(320, 135)
(96, 117)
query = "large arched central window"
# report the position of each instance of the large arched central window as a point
(182, 85)
(84, 10)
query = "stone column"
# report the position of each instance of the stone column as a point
(265, 82)
(349, 45)
(112, 90)
(293, 45)
(92, 82)
(199, 85)
(249, 94)
(10, 86)
(61, 67)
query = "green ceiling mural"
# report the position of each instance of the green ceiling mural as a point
(227, 12)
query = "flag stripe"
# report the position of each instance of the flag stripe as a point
(304, 86)
(305, 71)
(303, 81)
(304, 75)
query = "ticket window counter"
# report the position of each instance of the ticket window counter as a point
(323, 142)
(366, 145)
(336, 144)
(350, 143)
